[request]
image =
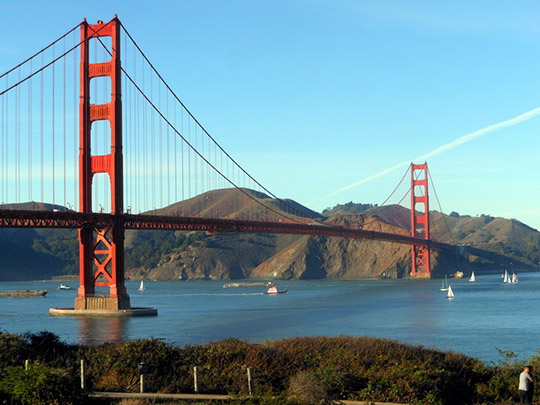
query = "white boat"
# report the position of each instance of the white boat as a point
(63, 286)
(272, 289)
(473, 278)
(141, 287)
(444, 286)
(508, 279)
(450, 294)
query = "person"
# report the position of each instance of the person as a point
(525, 386)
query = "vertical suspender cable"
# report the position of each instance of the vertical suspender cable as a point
(65, 167)
(189, 166)
(30, 118)
(3, 172)
(7, 140)
(41, 130)
(195, 174)
(182, 151)
(18, 140)
(131, 132)
(168, 150)
(145, 145)
(160, 155)
(202, 176)
(74, 136)
(136, 174)
(53, 143)
(175, 162)
(153, 144)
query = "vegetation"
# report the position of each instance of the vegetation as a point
(348, 208)
(296, 370)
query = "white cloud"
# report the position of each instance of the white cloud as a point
(441, 149)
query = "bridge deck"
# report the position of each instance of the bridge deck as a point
(48, 219)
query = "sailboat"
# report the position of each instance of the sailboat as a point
(506, 278)
(514, 278)
(141, 287)
(444, 286)
(473, 278)
(450, 294)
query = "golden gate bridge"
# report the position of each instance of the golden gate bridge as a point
(91, 130)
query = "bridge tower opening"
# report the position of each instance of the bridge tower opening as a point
(101, 251)
(420, 220)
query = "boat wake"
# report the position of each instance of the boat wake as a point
(211, 294)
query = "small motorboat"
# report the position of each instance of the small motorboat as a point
(272, 290)
(63, 286)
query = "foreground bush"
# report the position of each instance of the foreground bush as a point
(38, 385)
(311, 369)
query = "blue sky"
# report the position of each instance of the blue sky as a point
(313, 96)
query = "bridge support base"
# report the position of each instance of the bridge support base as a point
(103, 312)
(102, 303)
(419, 275)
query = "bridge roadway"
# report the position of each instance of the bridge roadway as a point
(74, 220)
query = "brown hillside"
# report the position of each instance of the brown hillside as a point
(233, 203)
(339, 258)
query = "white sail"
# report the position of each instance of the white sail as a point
(505, 276)
(473, 278)
(450, 292)
(141, 287)
(444, 286)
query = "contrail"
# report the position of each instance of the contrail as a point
(454, 144)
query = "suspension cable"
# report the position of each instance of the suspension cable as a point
(440, 207)
(42, 50)
(190, 145)
(51, 62)
(206, 132)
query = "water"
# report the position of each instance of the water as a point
(483, 316)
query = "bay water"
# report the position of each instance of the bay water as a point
(484, 316)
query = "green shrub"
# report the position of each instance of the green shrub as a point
(38, 385)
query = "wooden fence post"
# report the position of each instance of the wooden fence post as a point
(196, 379)
(83, 375)
(249, 380)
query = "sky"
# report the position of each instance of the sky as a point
(328, 101)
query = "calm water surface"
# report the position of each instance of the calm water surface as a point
(484, 315)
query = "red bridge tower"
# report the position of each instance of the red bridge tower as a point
(420, 220)
(101, 250)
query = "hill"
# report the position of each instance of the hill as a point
(494, 243)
